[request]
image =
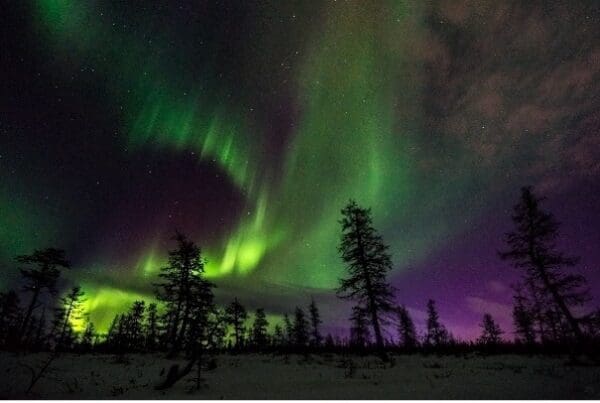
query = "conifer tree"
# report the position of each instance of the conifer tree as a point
(184, 291)
(407, 334)
(71, 303)
(236, 316)
(523, 319)
(259, 328)
(436, 335)
(278, 336)
(289, 330)
(87, 339)
(315, 322)
(112, 336)
(359, 331)
(532, 248)
(491, 332)
(368, 262)
(300, 327)
(131, 328)
(151, 327)
(41, 272)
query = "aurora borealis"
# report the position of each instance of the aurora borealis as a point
(248, 125)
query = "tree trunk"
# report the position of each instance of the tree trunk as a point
(372, 307)
(30, 309)
(562, 306)
(179, 338)
(65, 323)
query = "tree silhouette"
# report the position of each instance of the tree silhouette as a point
(10, 317)
(315, 322)
(359, 331)
(367, 262)
(40, 330)
(217, 329)
(71, 303)
(259, 328)
(113, 336)
(491, 332)
(300, 329)
(87, 339)
(523, 319)
(289, 330)
(329, 342)
(184, 290)
(133, 326)
(407, 334)
(236, 316)
(41, 273)
(531, 247)
(278, 336)
(436, 335)
(592, 325)
(151, 327)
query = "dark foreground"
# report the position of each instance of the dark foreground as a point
(316, 377)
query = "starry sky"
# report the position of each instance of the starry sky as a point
(248, 125)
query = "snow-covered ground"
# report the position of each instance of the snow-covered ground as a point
(319, 377)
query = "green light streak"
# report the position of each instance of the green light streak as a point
(345, 147)
(358, 91)
(102, 303)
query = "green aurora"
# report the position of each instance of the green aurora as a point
(357, 83)
(347, 143)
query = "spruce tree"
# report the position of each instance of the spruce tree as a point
(289, 330)
(71, 303)
(491, 332)
(368, 262)
(259, 329)
(236, 316)
(112, 336)
(300, 327)
(184, 291)
(134, 326)
(523, 319)
(407, 334)
(359, 331)
(87, 339)
(41, 273)
(532, 248)
(151, 327)
(315, 322)
(436, 335)
(278, 336)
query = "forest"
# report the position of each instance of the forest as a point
(186, 326)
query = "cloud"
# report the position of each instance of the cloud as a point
(497, 287)
(502, 313)
(514, 89)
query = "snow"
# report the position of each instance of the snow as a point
(257, 376)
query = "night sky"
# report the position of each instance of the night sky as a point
(248, 125)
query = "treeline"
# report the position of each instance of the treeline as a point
(185, 320)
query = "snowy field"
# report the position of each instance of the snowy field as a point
(319, 377)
